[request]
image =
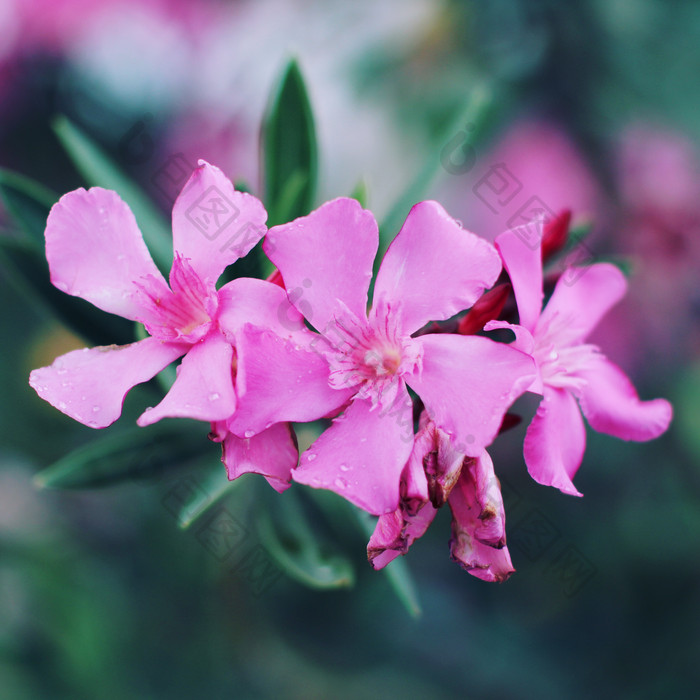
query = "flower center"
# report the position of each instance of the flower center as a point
(370, 355)
(558, 361)
(184, 312)
(559, 366)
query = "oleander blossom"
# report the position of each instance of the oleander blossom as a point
(569, 368)
(96, 251)
(432, 270)
(436, 473)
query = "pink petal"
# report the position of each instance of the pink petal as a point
(577, 307)
(325, 257)
(443, 467)
(395, 533)
(89, 385)
(522, 258)
(280, 380)
(203, 389)
(479, 479)
(523, 342)
(213, 225)
(414, 484)
(555, 441)
(611, 404)
(272, 453)
(474, 500)
(361, 456)
(468, 383)
(247, 300)
(95, 251)
(432, 285)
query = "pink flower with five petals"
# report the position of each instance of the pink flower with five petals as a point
(432, 270)
(95, 251)
(568, 368)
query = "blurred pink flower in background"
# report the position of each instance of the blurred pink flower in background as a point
(658, 176)
(534, 168)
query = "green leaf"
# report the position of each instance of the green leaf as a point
(397, 571)
(296, 549)
(136, 453)
(213, 486)
(99, 170)
(476, 114)
(27, 268)
(361, 193)
(28, 202)
(289, 150)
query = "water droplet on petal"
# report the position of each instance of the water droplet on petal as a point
(214, 397)
(249, 434)
(344, 467)
(62, 405)
(95, 409)
(341, 483)
(311, 457)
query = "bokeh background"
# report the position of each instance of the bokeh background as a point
(594, 106)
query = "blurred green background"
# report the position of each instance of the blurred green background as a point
(593, 105)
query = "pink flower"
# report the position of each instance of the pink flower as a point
(568, 368)
(95, 251)
(432, 270)
(435, 474)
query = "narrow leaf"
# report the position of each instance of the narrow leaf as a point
(136, 453)
(99, 170)
(289, 150)
(213, 486)
(28, 202)
(296, 550)
(361, 193)
(475, 115)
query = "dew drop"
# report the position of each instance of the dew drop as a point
(62, 405)
(95, 409)
(311, 457)
(341, 483)
(249, 434)
(214, 397)
(344, 467)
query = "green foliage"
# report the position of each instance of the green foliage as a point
(136, 453)
(294, 545)
(289, 150)
(28, 202)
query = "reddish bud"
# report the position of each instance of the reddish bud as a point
(487, 308)
(555, 233)
(510, 420)
(276, 278)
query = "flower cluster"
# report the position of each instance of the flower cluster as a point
(414, 402)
